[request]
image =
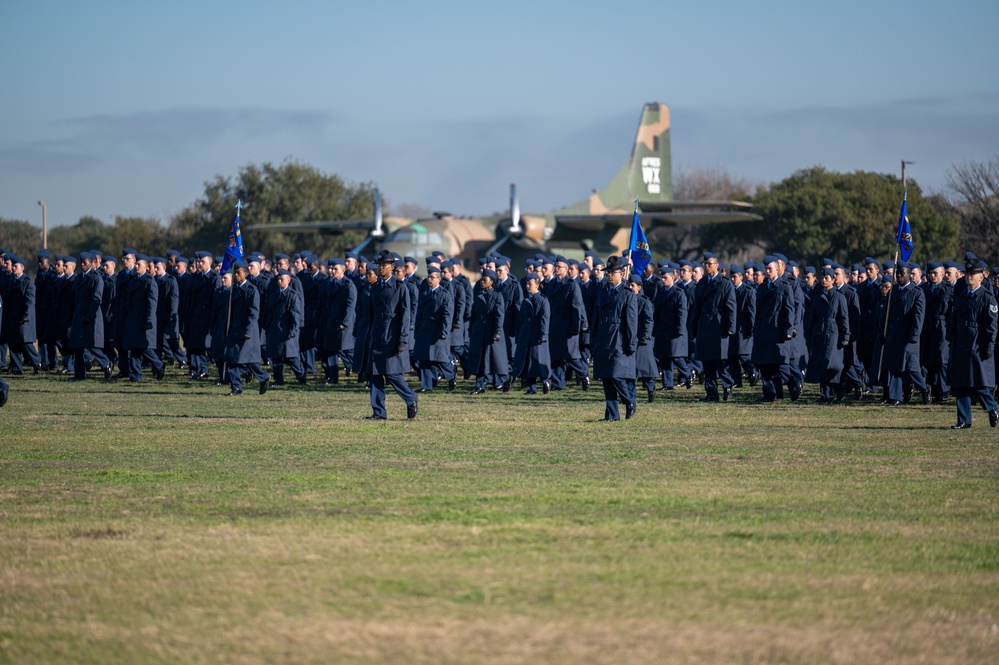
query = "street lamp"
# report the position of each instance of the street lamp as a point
(45, 225)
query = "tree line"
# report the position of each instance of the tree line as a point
(811, 214)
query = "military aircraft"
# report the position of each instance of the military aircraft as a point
(601, 221)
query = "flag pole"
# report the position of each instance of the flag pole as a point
(228, 318)
(884, 335)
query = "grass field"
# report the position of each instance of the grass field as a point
(164, 523)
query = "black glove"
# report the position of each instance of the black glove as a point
(584, 330)
(542, 340)
(629, 352)
(291, 335)
(843, 343)
(401, 348)
(444, 335)
(497, 336)
(644, 342)
(987, 353)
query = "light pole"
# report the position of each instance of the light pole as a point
(45, 225)
(904, 162)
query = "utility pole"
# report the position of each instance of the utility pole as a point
(904, 162)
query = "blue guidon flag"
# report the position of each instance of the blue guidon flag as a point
(234, 247)
(903, 235)
(639, 251)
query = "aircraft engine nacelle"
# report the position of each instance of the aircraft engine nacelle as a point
(529, 235)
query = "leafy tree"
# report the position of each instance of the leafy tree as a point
(291, 192)
(20, 238)
(817, 213)
(88, 233)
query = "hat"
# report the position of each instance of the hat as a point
(218, 259)
(635, 279)
(532, 277)
(86, 256)
(385, 256)
(584, 266)
(410, 259)
(809, 270)
(870, 259)
(282, 271)
(573, 262)
(974, 265)
(490, 273)
(828, 272)
(597, 263)
(827, 262)
(172, 252)
(350, 255)
(615, 263)
(696, 264)
(709, 255)
(446, 263)
(792, 264)
(887, 279)
(548, 261)
(337, 262)
(735, 268)
(502, 261)
(110, 259)
(433, 269)
(279, 256)
(856, 267)
(17, 259)
(780, 257)
(155, 259)
(361, 258)
(560, 259)
(770, 258)
(370, 266)
(201, 254)
(933, 265)
(439, 254)
(240, 264)
(183, 259)
(433, 258)
(128, 250)
(888, 265)
(953, 264)
(142, 257)
(44, 253)
(399, 264)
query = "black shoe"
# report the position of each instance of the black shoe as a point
(586, 383)
(478, 391)
(425, 390)
(858, 392)
(411, 409)
(374, 417)
(301, 380)
(531, 391)
(754, 379)
(824, 400)
(688, 383)
(993, 418)
(452, 384)
(766, 400)
(160, 373)
(652, 396)
(235, 393)
(506, 386)
(264, 385)
(795, 391)
(38, 369)
(924, 397)
(202, 376)
(907, 395)
(546, 387)
(3, 396)
(629, 410)
(107, 373)
(609, 420)
(346, 372)
(726, 394)
(709, 398)
(892, 402)
(962, 426)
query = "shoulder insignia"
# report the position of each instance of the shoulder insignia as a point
(994, 308)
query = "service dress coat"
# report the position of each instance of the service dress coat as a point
(645, 359)
(19, 300)
(774, 327)
(168, 307)
(362, 328)
(390, 324)
(486, 345)
(531, 356)
(141, 296)
(828, 332)
(670, 326)
(973, 332)
(614, 334)
(218, 323)
(284, 322)
(934, 347)
(568, 318)
(713, 318)
(434, 316)
(243, 341)
(741, 344)
(339, 312)
(906, 312)
(88, 321)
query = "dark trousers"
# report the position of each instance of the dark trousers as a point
(936, 379)
(235, 373)
(278, 365)
(308, 358)
(558, 371)
(169, 350)
(19, 349)
(964, 401)
(680, 364)
(715, 371)
(613, 389)
(135, 358)
(378, 392)
(81, 362)
(430, 369)
(772, 380)
(898, 380)
(739, 364)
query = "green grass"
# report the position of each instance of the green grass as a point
(163, 523)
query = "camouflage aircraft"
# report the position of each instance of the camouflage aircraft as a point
(601, 221)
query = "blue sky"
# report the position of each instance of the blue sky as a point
(127, 108)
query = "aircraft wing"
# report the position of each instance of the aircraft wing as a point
(673, 213)
(339, 225)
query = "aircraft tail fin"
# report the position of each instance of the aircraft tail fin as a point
(647, 174)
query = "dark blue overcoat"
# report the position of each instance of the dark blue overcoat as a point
(390, 324)
(531, 357)
(614, 333)
(88, 321)
(486, 353)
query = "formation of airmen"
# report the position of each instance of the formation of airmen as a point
(881, 328)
